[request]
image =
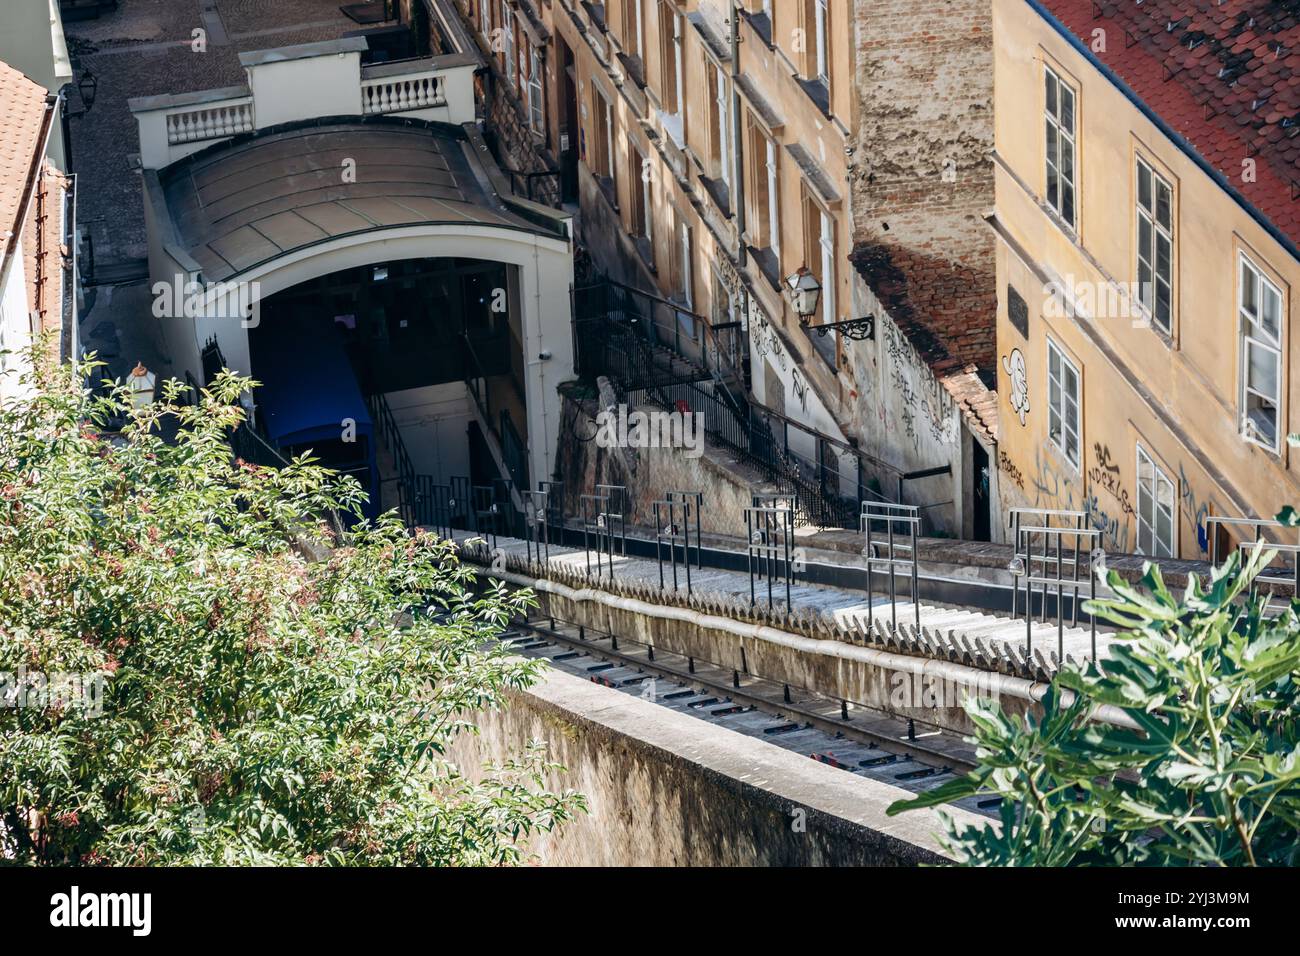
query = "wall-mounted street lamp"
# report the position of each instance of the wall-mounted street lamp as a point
(805, 292)
(87, 86)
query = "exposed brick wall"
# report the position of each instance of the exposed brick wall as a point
(922, 175)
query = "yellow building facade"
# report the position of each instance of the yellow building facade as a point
(1144, 310)
(706, 167)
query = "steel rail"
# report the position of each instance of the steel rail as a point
(656, 665)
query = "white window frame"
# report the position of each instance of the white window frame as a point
(721, 294)
(678, 60)
(687, 276)
(1255, 335)
(1056, 128)
(638, 24)
(821, 18)
(1151, 481)
(723, 107)
(1147, 253)
(773, 202)
(647, 198)
(826, 241)
(536, 104)
(485, 19)
(1059, 400)
(608, 171)
(508, 37)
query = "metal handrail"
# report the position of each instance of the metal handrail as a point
(382, 415)
(1046, 568)
(616, 334)
(907, 519)
(1214, 522)
(769, 533)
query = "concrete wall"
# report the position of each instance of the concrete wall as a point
(433, 421)
(668, 789)
(886, 681)
(907, 418)
(288, 87)
(298, 83)
(1177, 396)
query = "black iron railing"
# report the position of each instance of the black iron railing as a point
(644, 338)
(386, 427)
(662, 354)
(541, 187)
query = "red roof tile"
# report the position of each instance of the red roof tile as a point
(22, 116)
(1223, 74)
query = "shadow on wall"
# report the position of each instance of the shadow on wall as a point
(586, 460)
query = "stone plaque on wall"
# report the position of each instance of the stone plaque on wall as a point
(1018, 311)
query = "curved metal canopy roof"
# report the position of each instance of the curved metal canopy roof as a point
(249, 201)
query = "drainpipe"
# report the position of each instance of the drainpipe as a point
(737, 134)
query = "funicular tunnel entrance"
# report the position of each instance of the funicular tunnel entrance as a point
(407, 374)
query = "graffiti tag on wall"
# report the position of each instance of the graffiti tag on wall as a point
(1010, 469)
(1019, 397)
(937, 415)
(1196, 509)
(1106, 474)
(1058, 487)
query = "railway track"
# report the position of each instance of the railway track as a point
(837, 733)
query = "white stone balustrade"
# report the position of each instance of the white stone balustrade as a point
(300, 83)
(210, 122)
(401, 93)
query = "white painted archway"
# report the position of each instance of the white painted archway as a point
(544, 274)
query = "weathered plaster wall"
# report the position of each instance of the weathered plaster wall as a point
(668, 789)
(649, 473)
(921, 182)
(907, 418)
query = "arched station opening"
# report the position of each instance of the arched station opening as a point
(407, 321)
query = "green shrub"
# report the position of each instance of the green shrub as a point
(258, 706)
(1196, 763)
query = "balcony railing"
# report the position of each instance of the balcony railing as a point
(215, 121)
(301, 83)
(399, 94)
